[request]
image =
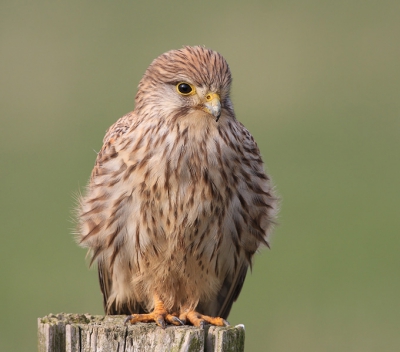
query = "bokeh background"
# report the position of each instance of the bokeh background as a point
(318, 85)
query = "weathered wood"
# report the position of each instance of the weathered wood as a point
(95, 333)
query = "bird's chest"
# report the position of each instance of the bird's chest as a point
(188, 167)
(182, 194)
(180, 188)
(182, 184)
(186, 189)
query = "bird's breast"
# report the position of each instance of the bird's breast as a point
(181, 183)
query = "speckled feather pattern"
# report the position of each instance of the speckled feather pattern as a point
(177, 203)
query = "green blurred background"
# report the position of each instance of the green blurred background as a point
(318, 85)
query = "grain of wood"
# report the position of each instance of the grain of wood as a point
(94, 333)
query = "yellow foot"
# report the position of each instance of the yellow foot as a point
(200, 320)
(160, 318)
(159, 315)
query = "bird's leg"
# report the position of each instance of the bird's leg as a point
(159, 315)
(200, 320)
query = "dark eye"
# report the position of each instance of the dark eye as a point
(184, 88)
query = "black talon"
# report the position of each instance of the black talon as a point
(161, 322)
(202, 324)
(128, 318)
(226, 322)
(177, 320)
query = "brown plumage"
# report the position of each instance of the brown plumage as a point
(178, 201)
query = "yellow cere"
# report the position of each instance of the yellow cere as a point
(212, 96)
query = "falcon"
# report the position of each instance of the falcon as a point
(178, 201)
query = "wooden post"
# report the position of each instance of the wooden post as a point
(96, 333)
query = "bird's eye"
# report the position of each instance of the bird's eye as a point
(185, 88)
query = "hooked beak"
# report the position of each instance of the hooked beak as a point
(212, 105)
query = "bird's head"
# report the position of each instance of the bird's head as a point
(192, 81)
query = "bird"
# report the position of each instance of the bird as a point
(178, 201)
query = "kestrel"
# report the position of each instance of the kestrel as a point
(178, 201)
